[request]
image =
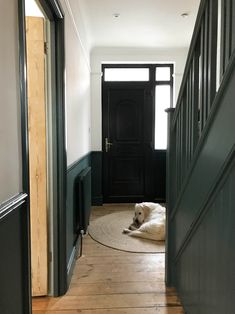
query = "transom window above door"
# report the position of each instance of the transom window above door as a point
(126, 74)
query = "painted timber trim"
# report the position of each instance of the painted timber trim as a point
(78, 161)
(170, 111)
(11, 204)
(61, 151)
(23, 96)
(55, 14)
(23, 198)
(73, 258)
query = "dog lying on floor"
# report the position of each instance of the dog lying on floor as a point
(148, 222)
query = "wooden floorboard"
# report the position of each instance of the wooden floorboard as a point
(107, 281)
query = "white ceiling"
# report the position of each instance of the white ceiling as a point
(142, 23)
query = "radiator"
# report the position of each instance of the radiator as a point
(82, 201)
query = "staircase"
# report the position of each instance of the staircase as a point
(201, 167)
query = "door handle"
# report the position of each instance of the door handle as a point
(107, 145)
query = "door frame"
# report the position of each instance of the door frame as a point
(55, 14)
(151, 86)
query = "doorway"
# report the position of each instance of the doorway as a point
(134, 131)
(44, 32)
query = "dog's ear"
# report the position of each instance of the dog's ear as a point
(137, 207)
(146, 210)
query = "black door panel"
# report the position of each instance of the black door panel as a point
(125, 110)
(126, 176)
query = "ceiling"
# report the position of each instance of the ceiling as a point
(141, 24)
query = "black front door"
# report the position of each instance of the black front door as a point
(134, 99)
(127, 140)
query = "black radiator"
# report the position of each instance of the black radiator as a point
(82, 201)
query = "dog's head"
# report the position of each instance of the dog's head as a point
(141, 213)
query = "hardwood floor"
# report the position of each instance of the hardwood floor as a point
(107, 281)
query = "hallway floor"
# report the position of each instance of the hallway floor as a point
(114, 282)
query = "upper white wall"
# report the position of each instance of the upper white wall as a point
(77, 89)
(10, 126)
(99, 55)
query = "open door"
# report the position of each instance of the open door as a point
(37, 153)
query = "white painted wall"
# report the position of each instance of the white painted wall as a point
(32, 9)
(83, 80)
(77, 89)
(10, 126)
(99, 55)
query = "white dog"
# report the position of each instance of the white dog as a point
(149, 222)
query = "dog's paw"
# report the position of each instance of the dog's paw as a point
(125, 231)
(133, 226)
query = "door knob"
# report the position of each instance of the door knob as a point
(107, 145)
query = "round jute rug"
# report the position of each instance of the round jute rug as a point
(107, 230)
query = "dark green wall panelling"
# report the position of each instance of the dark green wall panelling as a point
(72, 173)
(202, 222)
(96, 178)
(214, 152)
(14, 261)
(205, 269)
(93, 160)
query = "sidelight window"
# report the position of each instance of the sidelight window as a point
(163, 100)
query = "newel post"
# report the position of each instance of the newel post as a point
(169, 190)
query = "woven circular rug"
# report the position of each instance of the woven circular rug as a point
(107, 230)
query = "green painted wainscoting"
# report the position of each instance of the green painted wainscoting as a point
(72, 245)
(93, 160)
(205, 274)
(15, 276)
(96, 178)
